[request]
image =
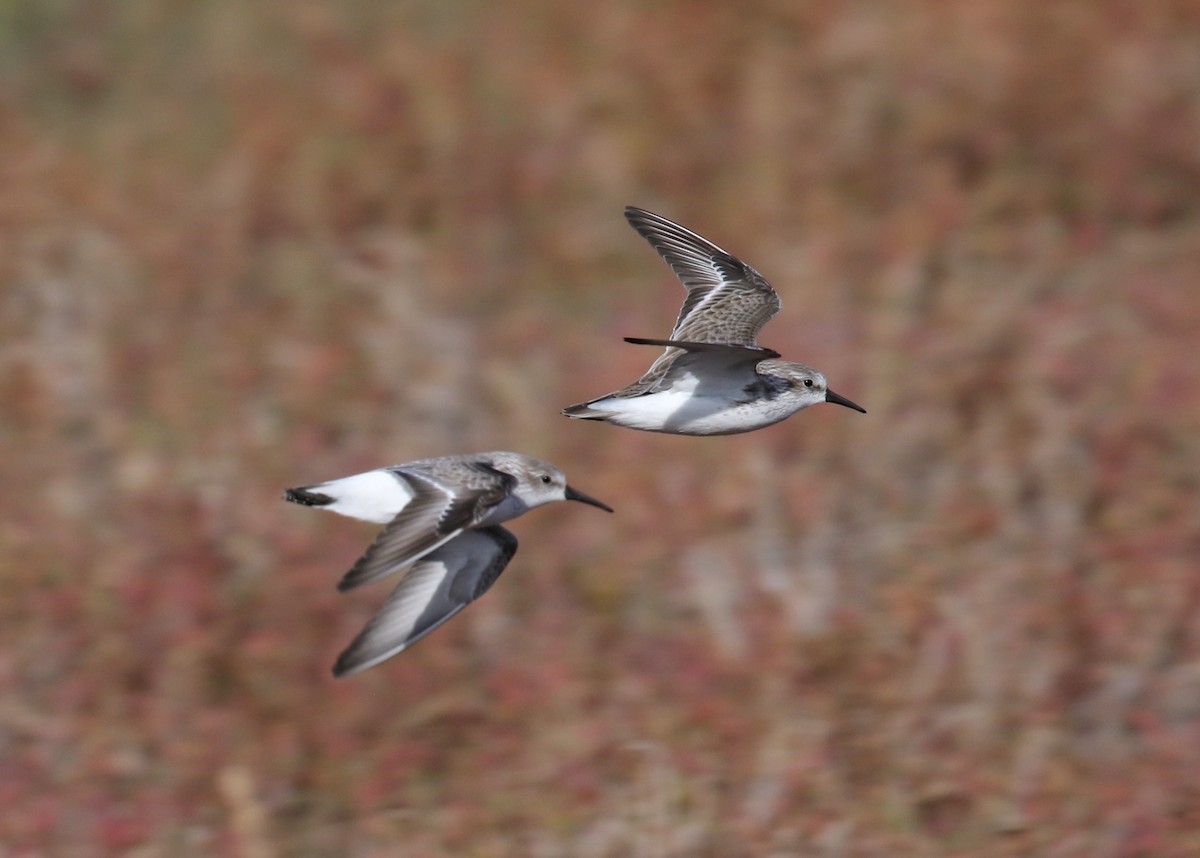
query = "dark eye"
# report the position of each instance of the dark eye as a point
(546, 479)
(808, 382)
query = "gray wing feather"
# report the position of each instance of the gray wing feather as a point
(434, 516)
(680, 358)
(440, 585)
(709, 361)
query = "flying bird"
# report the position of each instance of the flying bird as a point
(713, 378)
(442, 523)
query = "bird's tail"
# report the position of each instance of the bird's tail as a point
(307, 497)
(584, 411)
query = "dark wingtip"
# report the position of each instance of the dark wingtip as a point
(305, 497)
(640, 218)
(582, 411)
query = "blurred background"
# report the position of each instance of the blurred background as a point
(250, 246)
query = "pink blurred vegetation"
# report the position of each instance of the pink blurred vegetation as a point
(247, 246)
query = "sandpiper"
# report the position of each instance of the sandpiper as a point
(713, 378)
(442, 516)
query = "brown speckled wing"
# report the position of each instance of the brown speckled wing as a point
(727, 300)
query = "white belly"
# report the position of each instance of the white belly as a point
(685, 414)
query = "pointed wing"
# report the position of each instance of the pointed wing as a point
(438, 512)
(727, 300)
(440, 585)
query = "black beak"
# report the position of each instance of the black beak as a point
(576, 495)
(830, 396)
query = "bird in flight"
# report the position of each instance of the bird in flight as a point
(442, 518)
(713, 378)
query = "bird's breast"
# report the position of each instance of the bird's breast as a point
(511, 507)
